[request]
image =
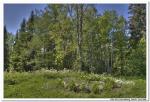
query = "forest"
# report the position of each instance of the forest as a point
(77, 40)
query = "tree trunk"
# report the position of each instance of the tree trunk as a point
(79, 11)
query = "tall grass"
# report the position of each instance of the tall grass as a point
(70, 84)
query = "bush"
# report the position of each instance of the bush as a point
(74, 87)
(93, 77)
(71, 85)
(85, 88)
(109, 83)
(97, 88)
(117, 84)
(54, 84)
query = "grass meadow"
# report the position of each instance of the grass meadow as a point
(71, 84)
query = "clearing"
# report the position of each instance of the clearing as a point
(71, 84)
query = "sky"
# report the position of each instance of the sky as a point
(14, 13)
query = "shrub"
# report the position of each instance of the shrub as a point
(97, 88)
(118, 84)
(74, 87)
(71, 85)
(85, 88)
(94, 77)
(109, 83)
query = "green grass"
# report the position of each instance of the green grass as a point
(70, 84)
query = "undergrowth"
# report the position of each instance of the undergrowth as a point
(70, 84)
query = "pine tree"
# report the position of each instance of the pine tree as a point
(77, 36)
(137, 23)
(6, 49)
(137, 52)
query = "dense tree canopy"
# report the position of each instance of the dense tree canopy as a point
(77, 37)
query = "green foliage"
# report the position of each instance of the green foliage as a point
(68, 84)
(72, 86)
(84, 87)
(109, 83)
(137, 60)
(77, 37)
(137, 23)
(6, 49)
(96, 88)
(72, 51)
